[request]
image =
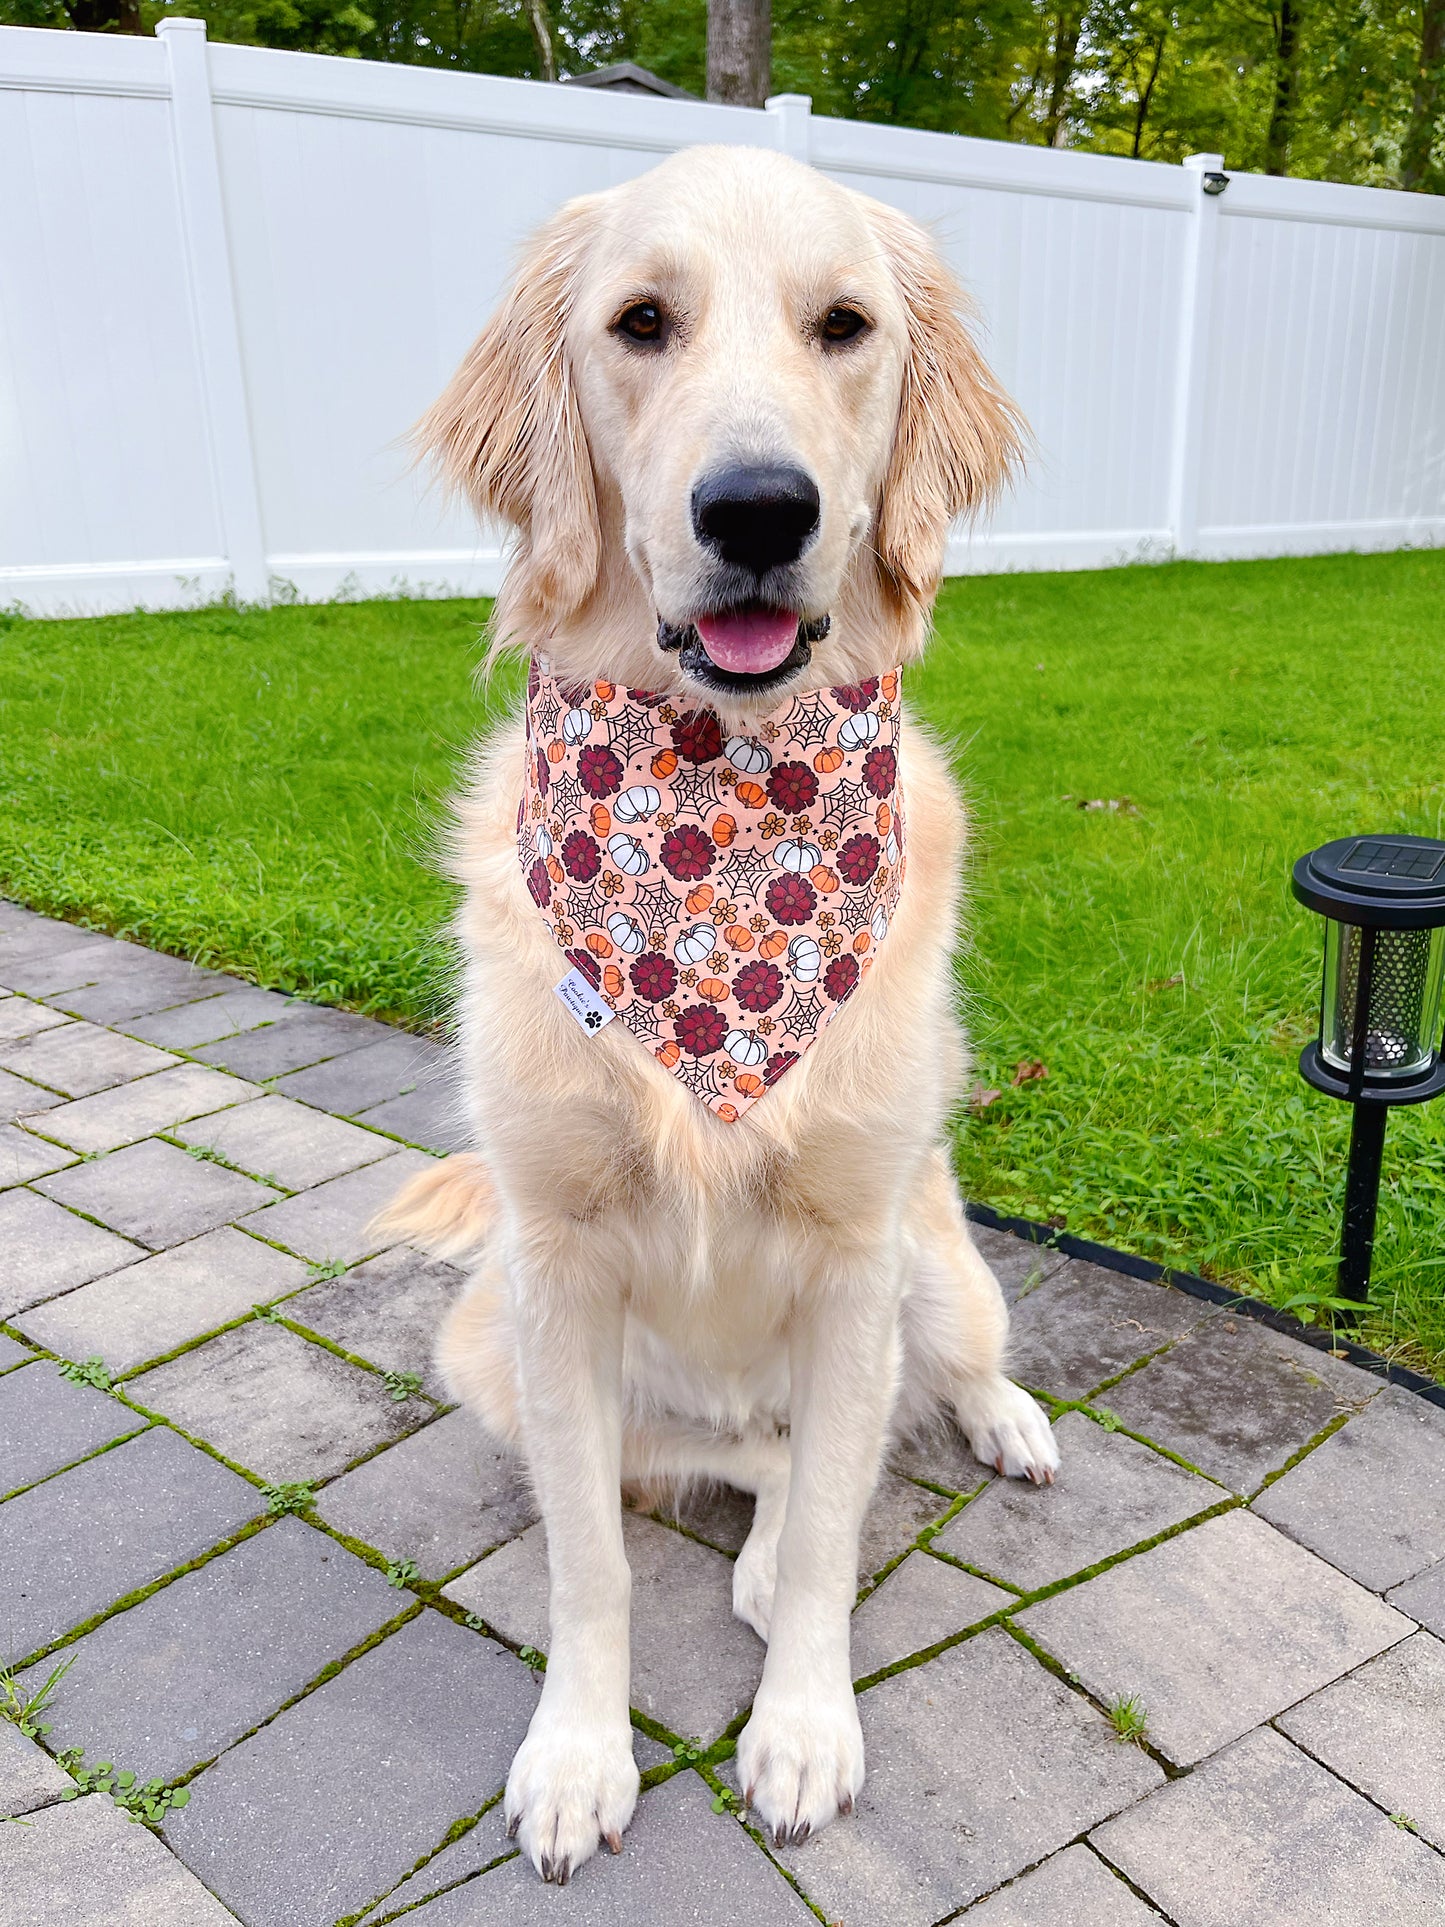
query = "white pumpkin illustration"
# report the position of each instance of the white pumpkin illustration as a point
(891, 848)
(627, 853)
(545, 845)
(805, 959)
(637, 804)
(748, 757)
(625, 933)
(576, 726)
(694, 945)
(745, 1047)
(856, 731)
(796, 853)
(880, 924)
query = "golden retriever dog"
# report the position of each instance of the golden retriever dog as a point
(730, 410)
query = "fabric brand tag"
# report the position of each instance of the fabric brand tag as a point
(590, 1010)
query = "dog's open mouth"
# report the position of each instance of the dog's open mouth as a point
(751, 647)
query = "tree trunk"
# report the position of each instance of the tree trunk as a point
(542, 34)
(740, 51)
(1146, 93)
(1066, 47)
(1286, 80)
(1416, 169)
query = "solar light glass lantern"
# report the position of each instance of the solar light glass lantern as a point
(1379, 1044)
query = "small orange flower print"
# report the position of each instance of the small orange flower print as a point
(773, 824)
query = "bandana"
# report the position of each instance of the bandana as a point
(723, 895)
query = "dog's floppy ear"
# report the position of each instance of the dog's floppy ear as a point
(958, 437)
(509, 433)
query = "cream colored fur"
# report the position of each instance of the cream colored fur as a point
(658, 1296)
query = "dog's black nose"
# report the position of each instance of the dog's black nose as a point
(759, 517)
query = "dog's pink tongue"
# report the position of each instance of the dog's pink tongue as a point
(749, 642)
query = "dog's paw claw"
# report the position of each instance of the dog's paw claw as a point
(570, 1789)
(802, 1764)
(1007, 1430)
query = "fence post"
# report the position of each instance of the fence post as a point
(792, 116)
(213, 297)
(1196, 288)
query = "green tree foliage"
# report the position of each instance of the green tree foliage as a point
(1348, 90)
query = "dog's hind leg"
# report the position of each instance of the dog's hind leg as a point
(955, 1328)
(673, 1453)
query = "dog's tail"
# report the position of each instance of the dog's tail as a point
(447, 1211)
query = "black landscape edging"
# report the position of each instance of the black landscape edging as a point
(1196, 1287)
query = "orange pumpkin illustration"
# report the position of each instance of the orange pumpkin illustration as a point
(612, 980)
(752, 796)
(739, 937)
(600, 817)
(773, 946)
(861, 942)
(555, 871)
(890, 685)
(605, 691)
(749, 1083)
(883, 817)
(598, 944)
(823, 878)
(698, 899)
(667, 1055)
(827, 760)
(556, 751)
(713, 988)
(664, 763)
(728, 1113)
(724, 829)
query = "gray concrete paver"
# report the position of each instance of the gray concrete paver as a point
(155, 1193)
(13, 1353)
(286, 1143)
(1019, 1266)
(389, 1064)
(1111, 1493)
(82, 1058)
(442, 1497)
(19, 1098)
(1238, 1400)
(336, 1799)
(1382, 1728)
(1215, 1630)
(47, 1421)
(1083, 1324)
(333, 1221)
(1371, 1499)
(387, 1311)
(147, 1309)
(158, 984)
(29, 1778)
(1423, 1598)
(316, 1415)
(301, 1034)
(922, 1601)
(211, 1018)
(45, 1249)
(431, 1116)
(980, 1763)
(24, 1156)
(1261, 1836)
(190, 1669)
(1073, 1889)
(127, 1112)
(23, 1017)
(86, 1864)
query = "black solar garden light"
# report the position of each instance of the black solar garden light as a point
(1383, 898)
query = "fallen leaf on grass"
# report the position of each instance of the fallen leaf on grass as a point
(979, 1099)
(1168, 983)
(1029, 1070)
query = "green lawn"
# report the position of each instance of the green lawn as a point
(259, 790)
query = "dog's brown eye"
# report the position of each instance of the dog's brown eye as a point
(641, 322)
(842, 324)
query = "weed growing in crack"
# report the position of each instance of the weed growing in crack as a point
(402, 1385)
(1129, 1719)
(287, 1498)
(90, 1371)
(401, 1572)
(20, 1707)
(689, 1751)
(1108, 1421)
(269, 1312)
(726, 1801)
(204, 1154)
(325, 1268)
(1404, 1823)
(144, 1801)
(529, 1656)
(475, 1621)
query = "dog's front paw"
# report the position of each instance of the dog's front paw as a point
(572, 1786)
(800, 1762)
(1006, 1429)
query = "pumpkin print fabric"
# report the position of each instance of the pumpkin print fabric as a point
(724, 894)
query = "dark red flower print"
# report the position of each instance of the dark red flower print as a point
(858, 858)
(540, 884)
(880, 770)
(792, 787)
(654, 977)
(758, 986)
(780, 1061)
(698, 737)
(857, 695)
(581, 857)
(700, 1030)
(688, 852)
(649, 698)
(840, 979)
(544, 775)
(791, 899)
(584, 961)
(521, 815)
(599, 770)
(574, 694)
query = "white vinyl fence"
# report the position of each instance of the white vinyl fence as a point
(231, 278)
